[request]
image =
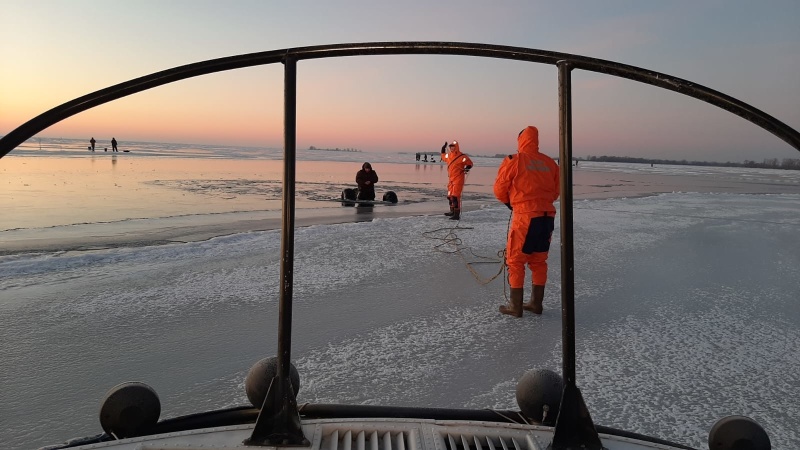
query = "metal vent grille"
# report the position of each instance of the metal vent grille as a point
(341, 439)
(481, 442)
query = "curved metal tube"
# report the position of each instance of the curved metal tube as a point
(68, 109)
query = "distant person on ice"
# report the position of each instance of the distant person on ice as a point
(528, 184)
(114, 145)
(366, 179)
(92, 141)
(458, 166)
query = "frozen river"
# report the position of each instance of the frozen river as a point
(686, 306)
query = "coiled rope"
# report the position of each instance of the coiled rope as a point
(452, 243)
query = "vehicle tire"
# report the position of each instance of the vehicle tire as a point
(390, 197)
(348, 195)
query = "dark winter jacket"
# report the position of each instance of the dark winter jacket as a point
(366, 180)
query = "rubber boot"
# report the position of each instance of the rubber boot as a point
(537, 297)
(515, 301)
(450, 201)
(456, 214)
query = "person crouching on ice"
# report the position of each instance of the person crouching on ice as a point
(366, 179)
(458, 165)
(528, 185)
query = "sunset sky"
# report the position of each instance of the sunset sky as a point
(54, 51)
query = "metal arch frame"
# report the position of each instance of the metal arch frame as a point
(278, 423)
(662, 80)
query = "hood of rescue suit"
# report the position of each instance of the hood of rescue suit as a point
(528, 140)
(455, 150)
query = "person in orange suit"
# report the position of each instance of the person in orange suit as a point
(458, 166)
(527, 183)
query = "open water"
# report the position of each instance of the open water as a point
(686, 300)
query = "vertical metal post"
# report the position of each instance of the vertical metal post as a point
(574, 428)
(287, 224)
(567, 246)
(278, 422)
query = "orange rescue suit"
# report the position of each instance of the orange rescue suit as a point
(528, 184)
(457, 165)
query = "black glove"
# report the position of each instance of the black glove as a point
(466, 169)
(444, 147)
(509, 206)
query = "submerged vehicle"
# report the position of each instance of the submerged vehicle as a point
(552, 413)
(350, 198)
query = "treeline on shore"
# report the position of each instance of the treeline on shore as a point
(768, 163)
(337, 149)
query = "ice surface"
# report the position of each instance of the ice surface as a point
(686, 312)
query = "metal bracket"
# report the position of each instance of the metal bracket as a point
(278, 423)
